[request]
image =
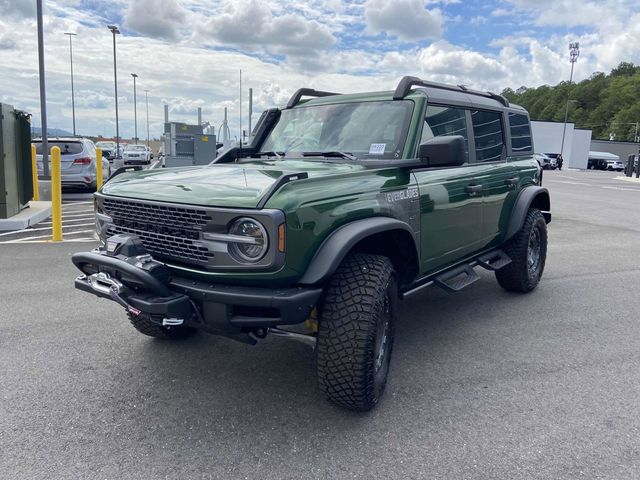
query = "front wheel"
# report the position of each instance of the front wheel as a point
(528, 253)
(356, 330)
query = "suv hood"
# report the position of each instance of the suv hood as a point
(218, 185)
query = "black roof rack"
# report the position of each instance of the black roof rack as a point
(404, 87)
(307, 92)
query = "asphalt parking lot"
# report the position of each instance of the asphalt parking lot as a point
(484, 384)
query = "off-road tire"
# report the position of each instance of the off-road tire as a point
(152, 329)
(521, 275)
(356, 330)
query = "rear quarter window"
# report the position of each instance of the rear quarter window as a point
(488, 135)
(520, 133)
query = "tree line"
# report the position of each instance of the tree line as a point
(603, 103)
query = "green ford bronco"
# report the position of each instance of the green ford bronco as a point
(339, 206)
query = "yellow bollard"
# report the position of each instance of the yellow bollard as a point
(56, 196)
(34, 173)
(98, 169)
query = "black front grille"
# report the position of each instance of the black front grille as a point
(169, 216)
(161, 245)
(166, 231)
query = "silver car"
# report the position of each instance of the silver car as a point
(78, 162)
(136, 155)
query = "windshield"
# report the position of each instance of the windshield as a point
(136, 147)
(66, 148)
(364, 129)
(105, 144)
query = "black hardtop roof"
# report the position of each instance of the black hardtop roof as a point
(436, 93)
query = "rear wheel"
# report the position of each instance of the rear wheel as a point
(356, 330)
(153, 329)
(528, 253)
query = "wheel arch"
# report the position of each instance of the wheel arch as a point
(377, 235)
(530, 197)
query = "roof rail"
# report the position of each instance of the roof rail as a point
(404, 87)
(307, 92)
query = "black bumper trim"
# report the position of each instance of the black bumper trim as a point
(294, 304)
(220, 307)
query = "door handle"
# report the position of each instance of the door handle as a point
(473, 190)
(512, 182)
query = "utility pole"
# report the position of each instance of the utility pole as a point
(146, 97)
(115, 31)
(73, 101)
(135, 108)
(43, 96)
(574, 52)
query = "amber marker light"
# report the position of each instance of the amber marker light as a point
(281, 238)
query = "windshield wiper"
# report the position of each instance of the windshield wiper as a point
(270, 154)
(331, 153)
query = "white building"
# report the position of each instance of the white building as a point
(547, 138)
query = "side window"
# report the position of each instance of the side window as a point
(488, 136)
(520, 133)
(441, 121)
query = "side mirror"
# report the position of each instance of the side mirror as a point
(444, 151)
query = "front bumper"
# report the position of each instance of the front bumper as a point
(135, 161)
(144, 287)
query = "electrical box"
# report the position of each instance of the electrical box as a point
(16, 187)
(186, 145)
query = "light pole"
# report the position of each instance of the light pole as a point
(574, 52)
(43, 97)
(135, 108)
(115, 31)
(73, 101)
(146, 97)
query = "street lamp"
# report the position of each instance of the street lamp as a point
(135, 108)
(115, 31)
(73, 102)
(574, 52)
(146, 97)
(43, 97)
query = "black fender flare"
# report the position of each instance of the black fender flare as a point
(528, 196)
(336, 246)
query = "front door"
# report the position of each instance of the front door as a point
(451, 198)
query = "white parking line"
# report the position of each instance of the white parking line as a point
(44, 228)
(65, 221)
(574, 183)
(89, 202)
(623, 188)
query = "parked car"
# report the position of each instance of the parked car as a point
(545, 161)
(78, 162)
(136, 155)
(339, 207)
(604, 161)
(108, 149)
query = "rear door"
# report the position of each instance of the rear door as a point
(451, 199)
(499, 176)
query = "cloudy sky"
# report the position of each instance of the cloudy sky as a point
(187, 53)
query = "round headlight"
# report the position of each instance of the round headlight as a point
(252, 242)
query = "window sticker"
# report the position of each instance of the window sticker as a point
(377, 148)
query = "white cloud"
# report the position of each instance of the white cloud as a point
(155, 18)
(17, 8)
(252, 24)
(405, 19)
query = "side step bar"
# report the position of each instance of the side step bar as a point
(461, 276)
(494, 260)
(456, 279)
